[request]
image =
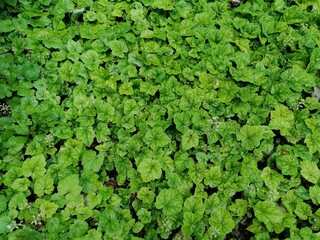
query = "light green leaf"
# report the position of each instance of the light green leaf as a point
(170, 201)
(148, 88)
(21, 184)
(126, 89)
(156, 138)
(310, 171)
(303, 210)
(189, 140)
(90, 161)
(144, 215)
(43, 185)
(78, 228)
(91, 59)
(213, 176)
(222, 221)
(250, 136)
(163, 4)
(118, 48)
(5, 223)
(271, 178)
(182, 121)
(282, 119)
(47, 209)
(150, 170)
(85, 135)
(239, 207)
(315, 194)
(146, 195)
(6, 26)
(269, 213)
(30, 70)
(194, 205)
(69, 184)
(313, 142)
(14, 144)
(34, 167)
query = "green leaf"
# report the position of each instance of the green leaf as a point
(47, 209)
(78, 228)
(85, 135)
(146, 195)
(21, 184)
(303, 210)
(144, 215)
(271, 178)
(194, 205)
(163, 4)
(91, 59)
(43, 185)
(282, 119)
(170, 201)
(310, 171)
(150, 170)
(269, 213)
(213, 176)
(182, 121)
(34, 167)
(313, 142)
(222, 222)
(126, 89)
(6, 26)
(69, 184)
(30, 70)
(118, 48)
(91, 162)
(295, 14)
(14, 144)
(148, 88)
(156, 138)
(250, 136)
(5, 223)
(239, 207)
(29, 103)
(189, 140)
(315, 194)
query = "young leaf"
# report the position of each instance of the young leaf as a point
(313, 142)
(194, 205)
(269, 213)
(303, 210)
(34, 167)
(170, 201)
(118, 47)
(282, 119)
(156, 138)
(144, 215)
(30, 70)
(146, 195)
(250, 136)
(222, 221)
(189, 140)
(126, 89)
(150, 170)
(85, 134)
(310, 171)
(91, 162)
(47, 209)
(43, 185)
(315, 194)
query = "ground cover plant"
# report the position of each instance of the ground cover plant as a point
(159, 119)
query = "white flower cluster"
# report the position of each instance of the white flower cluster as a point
(5, 109)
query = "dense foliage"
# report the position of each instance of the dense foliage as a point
(159, 119)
